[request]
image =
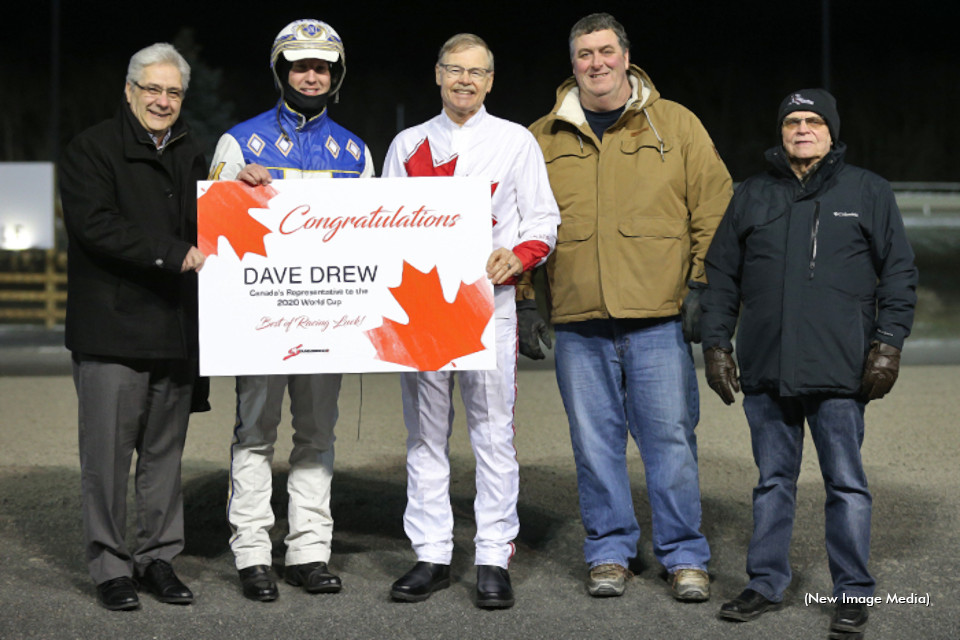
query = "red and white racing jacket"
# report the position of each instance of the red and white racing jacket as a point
(525, 214)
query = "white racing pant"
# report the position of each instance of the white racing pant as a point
(489, 398)
(313, 405)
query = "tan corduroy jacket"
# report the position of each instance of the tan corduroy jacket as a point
(638, 210)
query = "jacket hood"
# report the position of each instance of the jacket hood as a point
(567, 106)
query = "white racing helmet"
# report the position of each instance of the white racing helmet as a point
(310, 39)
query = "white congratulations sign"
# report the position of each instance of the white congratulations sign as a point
(323, 276)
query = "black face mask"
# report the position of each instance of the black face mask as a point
(308, 106)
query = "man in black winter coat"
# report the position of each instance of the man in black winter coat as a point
(128, 187)
(812, 257)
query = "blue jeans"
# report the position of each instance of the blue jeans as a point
(776, 430)
(633, 376)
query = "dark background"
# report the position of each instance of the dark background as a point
(894, 67)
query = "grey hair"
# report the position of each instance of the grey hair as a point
(463, 41)
(599, 22)
(157, 53)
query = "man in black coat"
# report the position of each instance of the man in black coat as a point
(128, 187)
(813, 259)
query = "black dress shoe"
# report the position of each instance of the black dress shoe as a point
(314, 577)
(257, 583)
(160, 580)
(746, 606)
(118, 594)
(850, 617)
(493, 587)
(417, 584)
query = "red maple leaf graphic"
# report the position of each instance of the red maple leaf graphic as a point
(224, 210)
(420, 163)
(438, 331)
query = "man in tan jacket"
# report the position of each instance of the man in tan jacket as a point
(641, 190)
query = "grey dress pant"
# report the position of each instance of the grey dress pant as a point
(126, 406)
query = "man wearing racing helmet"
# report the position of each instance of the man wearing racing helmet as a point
(297, 139)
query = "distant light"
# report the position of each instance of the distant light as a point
(26, 205)
(16, 237)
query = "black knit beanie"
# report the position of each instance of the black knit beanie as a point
(818, 101)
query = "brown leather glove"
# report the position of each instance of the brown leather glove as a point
(880, 371)
(721, 373)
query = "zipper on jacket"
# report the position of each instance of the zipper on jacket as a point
(813, 238)
(656, 133)
(172, 139)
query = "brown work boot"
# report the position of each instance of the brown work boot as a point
(690, 585)
(607, 580)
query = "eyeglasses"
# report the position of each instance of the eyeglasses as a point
(152, 90)
(455, 71)
(813, 122)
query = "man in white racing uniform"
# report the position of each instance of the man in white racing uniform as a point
(465, 140)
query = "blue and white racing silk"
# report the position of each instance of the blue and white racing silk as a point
(300, 148)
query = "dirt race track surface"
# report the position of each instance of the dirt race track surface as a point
(911, 452)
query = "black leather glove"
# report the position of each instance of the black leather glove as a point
(880, 371)
(200, 397)
(721, 373)
(690, 315)
(531, 330)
